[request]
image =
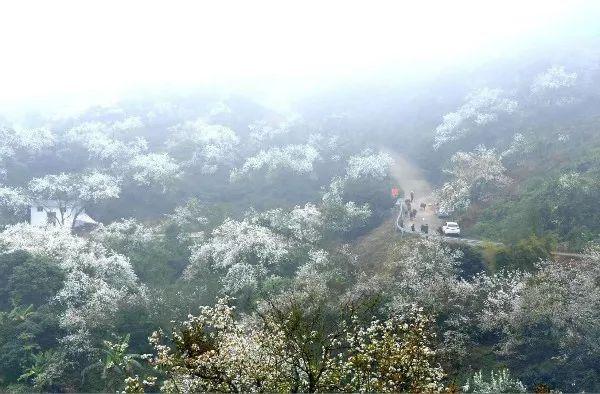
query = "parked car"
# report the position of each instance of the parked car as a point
(451, 228)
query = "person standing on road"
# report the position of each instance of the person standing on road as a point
(412, 227)
(412, 196)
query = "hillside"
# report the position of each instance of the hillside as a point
(216, 239)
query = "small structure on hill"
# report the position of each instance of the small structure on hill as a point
(55, 213)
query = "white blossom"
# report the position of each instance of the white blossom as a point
(554, 87)
(97, 282)
(302, 223)
(238, 277)
(570, 181)
(207, 145)
(239, 242)
(74, 189)
(500, 382)
(154, 169)
(563, 137)
(313, 275)
(34, 140)
(369, 165)
(263, 131)
(481, 107)
(30, 141)
(518, 146)
(96, 186)
(340, 216)
(127, 124)
(554, 78)
(126, 231)
(14, 199)
(482, 166)
(296, 158)
(96, 138)
(72, 192)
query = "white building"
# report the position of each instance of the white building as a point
(50, 213)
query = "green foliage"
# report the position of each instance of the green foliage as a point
(524, 255)
(115, 364)
(8, 262)
(27, 321)
(563, 204)
(18, 331)
(44, 371)
(35, 281)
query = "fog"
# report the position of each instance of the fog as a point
(268, 196)
(68, 54)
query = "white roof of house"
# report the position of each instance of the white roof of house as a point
(83, 219)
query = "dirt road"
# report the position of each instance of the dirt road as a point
(411, 178)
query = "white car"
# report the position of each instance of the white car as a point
(451, 228)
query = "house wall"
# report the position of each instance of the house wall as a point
(40, 218)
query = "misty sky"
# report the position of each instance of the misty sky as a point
(53, 48)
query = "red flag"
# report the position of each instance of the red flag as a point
(395, 192)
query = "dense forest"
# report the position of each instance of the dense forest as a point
(208, 241)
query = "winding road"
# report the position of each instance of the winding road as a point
(411, 178)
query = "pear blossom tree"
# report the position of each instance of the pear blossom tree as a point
(297, 159)
(342, 216)
(481, 107)
(427, 273)
(369, 165)
(189, 221)
(208, 145)
(127, 233)
(519, 147)
(499, 382)
(560, 302)
(97, 283)
(480, 168)
(285, 347)
(548, 314)
(303, 224)
(554, 86)
(72, 192)
(244, 251)
(154, 169)
(31, 141)
(14, 199)
(128, 124)
(317, 273)
(28, 142)
(262, 131)
(99, 141)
